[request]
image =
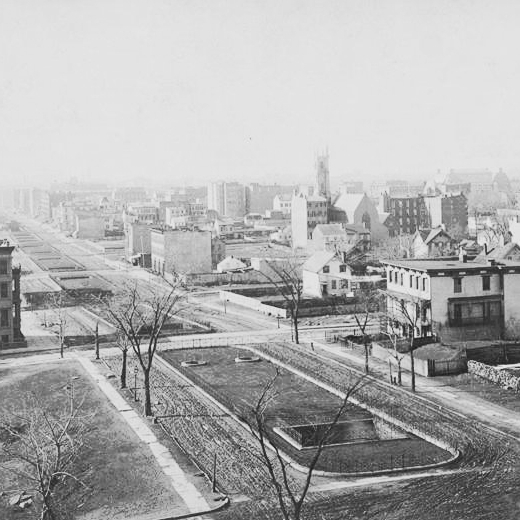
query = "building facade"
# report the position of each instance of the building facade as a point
(409, 213)
(454, 300)
(307, 211)
(180, 252)
(227, 198)
(10, 316)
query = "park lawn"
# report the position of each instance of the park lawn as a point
(122, 474)
(299, 401)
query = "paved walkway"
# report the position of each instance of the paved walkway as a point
(193, 499)
(493, 415)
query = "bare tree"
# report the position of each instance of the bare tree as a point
(42, 447)
(368, 299)
(286, 277)
(140, 316)
(55, 302)
(395, 248)
(290, 500)
(393, 337)
(409, 312)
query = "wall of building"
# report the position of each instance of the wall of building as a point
(90, 227)
(181, 252)
(511, 305)
(6, 329)
(299, 228)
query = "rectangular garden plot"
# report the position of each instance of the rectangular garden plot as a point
(300, 410)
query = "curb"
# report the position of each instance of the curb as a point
(220, 507)
(297, 466)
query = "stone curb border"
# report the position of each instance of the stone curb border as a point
(195, 514)
(287, 458)
(225, 503)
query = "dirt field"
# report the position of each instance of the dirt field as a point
(123, 477)
(298, 401)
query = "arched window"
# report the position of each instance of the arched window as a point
(365, 220)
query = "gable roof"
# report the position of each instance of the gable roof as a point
(434, 233)
(501, 253)
(316, 262)
(428, 235)
(329, 229)
(349, 202)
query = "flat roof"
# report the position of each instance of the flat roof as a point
(448, 265)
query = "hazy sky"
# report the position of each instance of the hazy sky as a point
(250, 90)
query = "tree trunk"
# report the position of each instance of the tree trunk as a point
(96, 341)
(147, 397)
(366, 357)
(296, 334)
(62, 345)
(123, 370)
(399, 377)
(412, 368)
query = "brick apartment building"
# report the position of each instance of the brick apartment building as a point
(10, 317)
(409, 213)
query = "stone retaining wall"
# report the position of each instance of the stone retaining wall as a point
(495, 375)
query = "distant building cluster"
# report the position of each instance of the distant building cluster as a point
(341, 232)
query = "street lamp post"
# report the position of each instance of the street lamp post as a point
(135, 383)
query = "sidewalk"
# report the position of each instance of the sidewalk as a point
(191, 496)
(493, 415)
(195, 503)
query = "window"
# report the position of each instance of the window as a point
(3, 266)
(333, 284)
(343, 269)
(3, 290)
(402, 279)
(457, 312)
(344, 284)
(486, 283)
(417, 283)
(411, 280)
(457, 285)
(390, 276)
(5, 338)
(326, 269)
(4, 318)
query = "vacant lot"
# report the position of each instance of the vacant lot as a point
(123, 477)
(298, 401)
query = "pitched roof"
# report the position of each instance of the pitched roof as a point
(349, 202)
(469, 176)
(428, 235)
(316, 262)
(329, 229)
(357, 228)
(434, 233)
(501, 253)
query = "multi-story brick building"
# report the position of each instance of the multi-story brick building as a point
(409, 213)
(10, 317)
(450, 211)
(179, 252)
(227, 198)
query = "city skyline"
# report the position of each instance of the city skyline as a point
(189, 92)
